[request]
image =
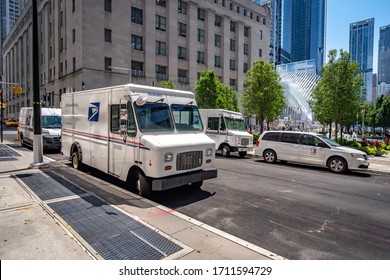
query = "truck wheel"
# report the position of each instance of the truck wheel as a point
(197, 185)
(337, 165)
(225, 150)
(75, 160)
(22, 141)
(242, 154)
(270, 156)
(144, 186)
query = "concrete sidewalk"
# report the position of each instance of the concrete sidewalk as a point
(31, 230)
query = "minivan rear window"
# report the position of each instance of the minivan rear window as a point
(290, 138)
(271, 136)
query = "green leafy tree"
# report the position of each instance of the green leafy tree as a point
(212, 94)
(227, 98)
(384, 113)
(206, 89)
(338, 93)
(263, 94)
(167, 84)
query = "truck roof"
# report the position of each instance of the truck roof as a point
(134, 88)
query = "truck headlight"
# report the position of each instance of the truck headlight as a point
(168, 157)
(209, 152)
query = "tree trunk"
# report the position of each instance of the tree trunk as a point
(336, 128)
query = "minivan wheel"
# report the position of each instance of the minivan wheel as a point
(269, 156)
(225, 150)
(337, 165)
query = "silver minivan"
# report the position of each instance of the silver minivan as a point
(309, 148)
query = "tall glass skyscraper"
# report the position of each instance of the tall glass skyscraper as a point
(9, 11)
(384, 55)
(361, 48)
(304, 31)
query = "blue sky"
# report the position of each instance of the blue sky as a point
(343, 12)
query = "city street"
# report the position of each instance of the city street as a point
(295, 211)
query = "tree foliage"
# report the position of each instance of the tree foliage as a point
(263, 94)
(212, 94)
(338, 95)
(167, 84)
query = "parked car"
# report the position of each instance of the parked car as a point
(309, 148)
(11, 123)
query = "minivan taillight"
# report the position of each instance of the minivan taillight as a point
(257, 143)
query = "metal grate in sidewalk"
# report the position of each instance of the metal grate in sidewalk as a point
(6, 151)
(112, 233)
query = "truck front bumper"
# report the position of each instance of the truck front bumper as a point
(171, 182)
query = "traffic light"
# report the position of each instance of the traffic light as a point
(17, 90)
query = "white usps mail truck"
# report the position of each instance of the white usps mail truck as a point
(51, 127)
(228, 130)
(150, 137)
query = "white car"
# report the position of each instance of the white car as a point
(309, 148)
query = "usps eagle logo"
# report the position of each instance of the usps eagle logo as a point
(93, 112)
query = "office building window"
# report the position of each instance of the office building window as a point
(246, 31)
(233, 83)
(217, 40)
(182, 7)
(107, 63)
(260, 34)
(161, 48)
(182, 29)
(108, 6)
(182, 75)
(260, 53)
(161, 72)
(74, 64)
(107, 35)
(200, 35)
(200, 57)
(74, 35)
(161, 23)
(232, 26)
(137, 68)
(246, 49)
(217, 61)
(246, 67)
(182, 53)
(136, 15)
(232, 64)
(218, 21)
(73, 5)
(201, 14)
(136, 42)
(232, 45)
(162, 3)
(238, 9)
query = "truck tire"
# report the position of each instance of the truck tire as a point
(144, 186)
(197, 185)
(76, 163)
(225, 150)
(242, 154)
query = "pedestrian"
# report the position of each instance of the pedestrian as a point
(354, 136)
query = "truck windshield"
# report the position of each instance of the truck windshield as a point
(153, 117)
(235, 124)
(186, 117)
(51, 121)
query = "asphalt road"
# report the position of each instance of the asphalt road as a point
(295, 211)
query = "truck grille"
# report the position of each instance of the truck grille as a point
(189, 160)
(244, 141)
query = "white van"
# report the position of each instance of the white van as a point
(228, 130)
(51, 127)
(150, 137)
(309, 148)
